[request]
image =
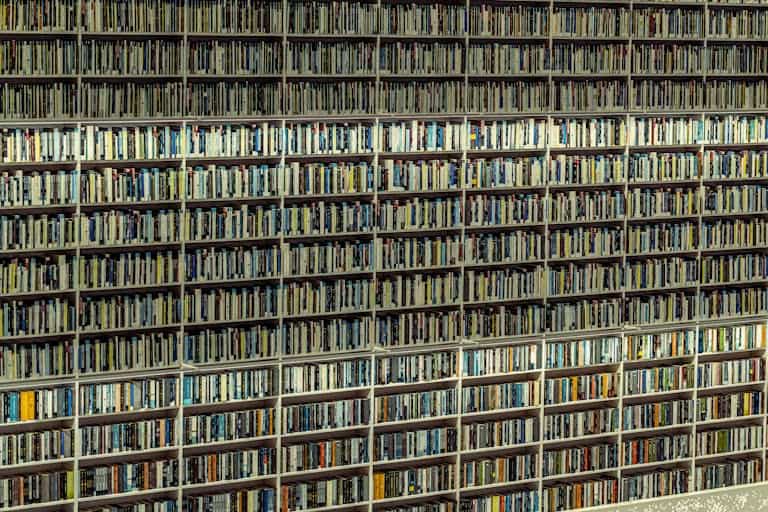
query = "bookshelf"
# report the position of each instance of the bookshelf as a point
(438, 58)
(187, 416)
(181, 287)
(281, 256)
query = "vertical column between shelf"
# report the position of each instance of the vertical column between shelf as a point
(76, 388)
(283, 107)
(373, 329)
(541, 415)
(281, 182)
(547, 211)
(550, 77)
(278, 441)
(371, 430)
(547, 207)
(630, 54)
(464, 141)
(625, 229)
(701, 203)
(77, 448)
(763, 406)
(623, 348)
(182, 278)
(620, 413)
(704, 54)
(467, 7)
(185, 95)
(377, 60)
(78, 110)
(695, 409)
(458, 481)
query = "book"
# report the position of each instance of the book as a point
(413, 481)
(334, 453)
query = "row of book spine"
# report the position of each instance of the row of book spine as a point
(330, 18)
(95, 187)
(327, 138)
(104, 99)
(99, 354)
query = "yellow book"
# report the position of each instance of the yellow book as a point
(378, 486)
(12, 271)
(37, 147)
(744, 165)
(27, 405)
(70, 485)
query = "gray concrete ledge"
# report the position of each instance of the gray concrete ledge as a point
(745, 498)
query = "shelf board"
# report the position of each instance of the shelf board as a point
(501, 485)
(54, 506)
(646, 466)
(112, 34)
(657, 395)
(482, 453)
(295, 398)
(717, 457)
(37, 294)
(124, 456)
(121, 416)
(34, 338)
(129, 495)
(37, 466)
(662, 430)
(224, 484)
(398, 387)
(735, 421)
(408, 497)
(594, 403)
(581, 475)
(327, 433)
(302, 475)
(591, 440)
(362, 505)
(231, 444)
(416, 422)
(501, 377)
(523, 411)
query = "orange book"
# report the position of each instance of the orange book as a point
(763, 335)
(212, 468)
(284, 501)
(322, 456)
(27, 405)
